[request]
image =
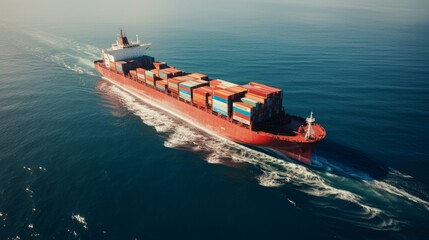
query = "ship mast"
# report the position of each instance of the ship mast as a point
(310, 120)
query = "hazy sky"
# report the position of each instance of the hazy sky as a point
(204, 11)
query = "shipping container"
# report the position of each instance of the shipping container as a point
(131, 64)
(173, 84)
(161, 85)
(196, 76)
(150, 74)
(141, 74)
(160, 65)
(222, 101)
(144, 62)
(185, 89)
(202, 96)
(165, 73)
(251, 102)
(237, 89)
(222, 84)
(176, 72)
(113, 66)
(258, 98)
(122, 67)
(273, 89)
(241, 119)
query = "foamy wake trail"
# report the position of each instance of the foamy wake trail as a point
(369, 204)
(65, 52)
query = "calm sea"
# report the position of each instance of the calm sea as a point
(83, 159)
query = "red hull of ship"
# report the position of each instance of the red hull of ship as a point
(295, 147)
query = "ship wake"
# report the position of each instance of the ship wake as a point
(63, 52)
(372, 204)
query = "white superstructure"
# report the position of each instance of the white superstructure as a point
(123, 50)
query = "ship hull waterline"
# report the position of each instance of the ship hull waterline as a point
(208, 122)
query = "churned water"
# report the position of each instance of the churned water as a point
(81, 158)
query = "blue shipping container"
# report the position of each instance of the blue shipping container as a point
(241, 111)
(220, 99)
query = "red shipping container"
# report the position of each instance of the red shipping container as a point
(225, 94)
(215, 83)
(256, 98)
(237, 89)
(272, 89)
(160, 65)
(241, 116)
(196, 76)
(141, 70)
(207, 89)
(155, 72)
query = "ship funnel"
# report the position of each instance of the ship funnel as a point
(310, 120)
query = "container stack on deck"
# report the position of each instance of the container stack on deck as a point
(243, 113)
(222, 101)
(202, 96)
(141, 75)
(269, 99)
(185, 89)
(122, 67)
(196, 76)
(248, 104)
(169, 73)
(162, 85)
(173, 84)
(151, 77)
(222, 84)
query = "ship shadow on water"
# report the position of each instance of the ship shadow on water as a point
(341, 160)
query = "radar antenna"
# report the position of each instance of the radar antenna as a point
(310, 120)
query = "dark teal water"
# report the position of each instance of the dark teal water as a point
(82, 159)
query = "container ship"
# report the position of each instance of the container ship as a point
(250, 114)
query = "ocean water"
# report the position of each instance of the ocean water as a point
(81, 158)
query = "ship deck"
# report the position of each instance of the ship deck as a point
(283, 127)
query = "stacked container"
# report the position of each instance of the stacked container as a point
(169, 73)
(176, 72)
(150, 78)
(196, 76)
(160, 65)
(133, 73)
(238, 90)
(202, 96)
(162, 85)
(243, 112)
(144, 62)
(173, 84)
(275, 99)
(270, 99)
(112, 66)
(222, 101)
(131, 64)
(165, 73)
(185, 89)
(141, 74)
(121, 67)
(222, 84)
(252, 103)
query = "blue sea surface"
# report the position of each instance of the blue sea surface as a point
(81, 158)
